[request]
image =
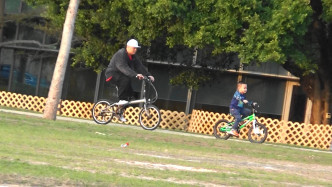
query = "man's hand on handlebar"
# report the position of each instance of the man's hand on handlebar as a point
(151, 78)
(140, 76)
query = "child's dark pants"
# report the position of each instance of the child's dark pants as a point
(238, 115)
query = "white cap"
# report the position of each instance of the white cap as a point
(133, 43)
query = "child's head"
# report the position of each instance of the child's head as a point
(242, 87)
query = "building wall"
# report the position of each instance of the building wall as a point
(264, 87)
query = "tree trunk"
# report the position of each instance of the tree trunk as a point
(54, 93)
(320, 103)
(321, 42)
(327, 103)
(317, 114)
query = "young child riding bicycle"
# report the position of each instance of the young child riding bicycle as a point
(237, 107)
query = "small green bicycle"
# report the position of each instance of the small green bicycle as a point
(257, 132)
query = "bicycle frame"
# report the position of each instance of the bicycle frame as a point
(143, 100)
(149, 116)
(137, 101)
(248, 119)
(251, 118)
(257, 132)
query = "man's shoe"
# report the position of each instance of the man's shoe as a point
(121, 118)
(122, 102)
(234, 133)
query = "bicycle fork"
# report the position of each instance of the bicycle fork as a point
(256, 130)
(147, 111)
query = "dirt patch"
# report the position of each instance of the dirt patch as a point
(18, 181)
(316, 172)
(310, 171)
(175, 181)
(172, 167)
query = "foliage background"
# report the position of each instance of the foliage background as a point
(295, 34)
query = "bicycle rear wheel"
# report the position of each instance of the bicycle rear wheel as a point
(258, 135)
(219, 129)
(102, 112)
(150, 118)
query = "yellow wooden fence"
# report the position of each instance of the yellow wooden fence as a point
(286, 132)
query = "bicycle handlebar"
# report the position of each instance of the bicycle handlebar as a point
(147, 79)
(254, 106)
(144, 78)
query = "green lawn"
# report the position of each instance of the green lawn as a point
(39, 152)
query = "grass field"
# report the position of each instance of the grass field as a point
(39, 152)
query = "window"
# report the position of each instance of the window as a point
(12, 6)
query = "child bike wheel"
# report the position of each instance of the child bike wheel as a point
(102, 112)
(216, 129)
(150, 118)
(259, 136)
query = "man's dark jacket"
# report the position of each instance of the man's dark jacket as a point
(121, 64)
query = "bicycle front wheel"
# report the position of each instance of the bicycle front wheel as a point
(257, 135)
(220, 129)
(150, 117)
(102, 112)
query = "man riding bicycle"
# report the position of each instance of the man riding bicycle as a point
(124, 66)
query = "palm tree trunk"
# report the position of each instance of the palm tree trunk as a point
(54, 93)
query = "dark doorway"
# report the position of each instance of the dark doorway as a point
(298, 105)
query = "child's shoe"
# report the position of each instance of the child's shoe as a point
(234, 133)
